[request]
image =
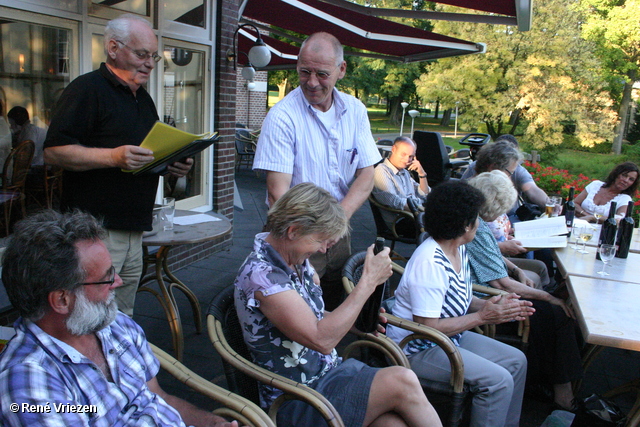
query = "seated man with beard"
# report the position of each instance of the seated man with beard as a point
(72, 347)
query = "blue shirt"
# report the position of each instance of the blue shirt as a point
(487, 262)
(37, 369)
(392, 187)
(295, 141)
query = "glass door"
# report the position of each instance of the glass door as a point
(184, 91)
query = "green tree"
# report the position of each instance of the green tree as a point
(530, 83)
(614, 25)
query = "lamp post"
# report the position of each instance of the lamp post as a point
(455, 133)
(413, 114)
(404, 106)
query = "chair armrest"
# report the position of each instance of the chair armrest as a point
(419, 331)
(488, 290)
(236, 407)
(381, 343)
(291, 389)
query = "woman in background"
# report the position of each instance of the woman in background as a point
(620, 187)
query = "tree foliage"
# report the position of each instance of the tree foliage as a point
(531, 83)
(614, 25)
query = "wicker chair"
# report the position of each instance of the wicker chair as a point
(243, 376)
(14, 178)
(383, 230)
(235, 407)
(454, 391)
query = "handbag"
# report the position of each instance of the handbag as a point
(527, 211)
(596, 411)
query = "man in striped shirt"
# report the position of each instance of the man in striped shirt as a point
(394, 185)
(318, 134)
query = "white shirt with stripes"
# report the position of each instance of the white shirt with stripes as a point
(295, 140)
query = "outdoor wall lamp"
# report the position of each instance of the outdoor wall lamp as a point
(259, 55)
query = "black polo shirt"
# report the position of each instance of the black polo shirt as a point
(96, 110)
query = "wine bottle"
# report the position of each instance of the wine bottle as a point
(608, 231)
(625, 232)
(569, 211)
(367, 320)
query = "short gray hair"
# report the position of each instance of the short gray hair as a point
(498, 155)
(338, 50)
(120, 29)
(310, 208)
(498, 191)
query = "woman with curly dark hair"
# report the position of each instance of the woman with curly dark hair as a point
(435, 290)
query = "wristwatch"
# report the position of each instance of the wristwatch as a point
(422, 176)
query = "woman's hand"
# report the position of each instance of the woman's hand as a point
(505, 308)
(377, 268)
(562, 304)
(521, 277)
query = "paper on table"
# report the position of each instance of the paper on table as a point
(544, 242)
(540, 228)
(194, 219)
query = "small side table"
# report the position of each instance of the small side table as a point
(180, 235)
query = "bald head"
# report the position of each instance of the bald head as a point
(322, 43)
(403, 152)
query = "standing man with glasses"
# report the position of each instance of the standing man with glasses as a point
(72, 349)
(97, 127)
(318, 134)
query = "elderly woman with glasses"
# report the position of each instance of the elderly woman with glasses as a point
(287, 330)
(435, 290)
(553, 353)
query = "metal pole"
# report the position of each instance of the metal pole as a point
(404, 106)
(455, 133)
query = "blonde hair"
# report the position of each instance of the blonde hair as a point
(498, 191)
(309, 208)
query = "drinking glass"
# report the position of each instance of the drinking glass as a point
(599, 212)
(575, 232)
(607, 252)
(169, 210)
(549, 207)
(557, 205)
(586, 233)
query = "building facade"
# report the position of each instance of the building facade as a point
(45, 44)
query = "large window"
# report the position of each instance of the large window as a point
(36, 63)
(183, 106)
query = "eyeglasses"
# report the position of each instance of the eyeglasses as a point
(112, 274)
(303, 73)
(143, 55)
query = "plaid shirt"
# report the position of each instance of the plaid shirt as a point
(37, 369)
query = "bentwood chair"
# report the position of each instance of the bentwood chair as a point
(14, 178)
(245, 148)
(390, 233)
(243, 376)
(235, 407)
(448, 398)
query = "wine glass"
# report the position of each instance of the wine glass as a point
(575, 232)
(599, 212)
(586, 233)
(607, 252)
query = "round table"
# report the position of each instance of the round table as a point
(165, 240)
